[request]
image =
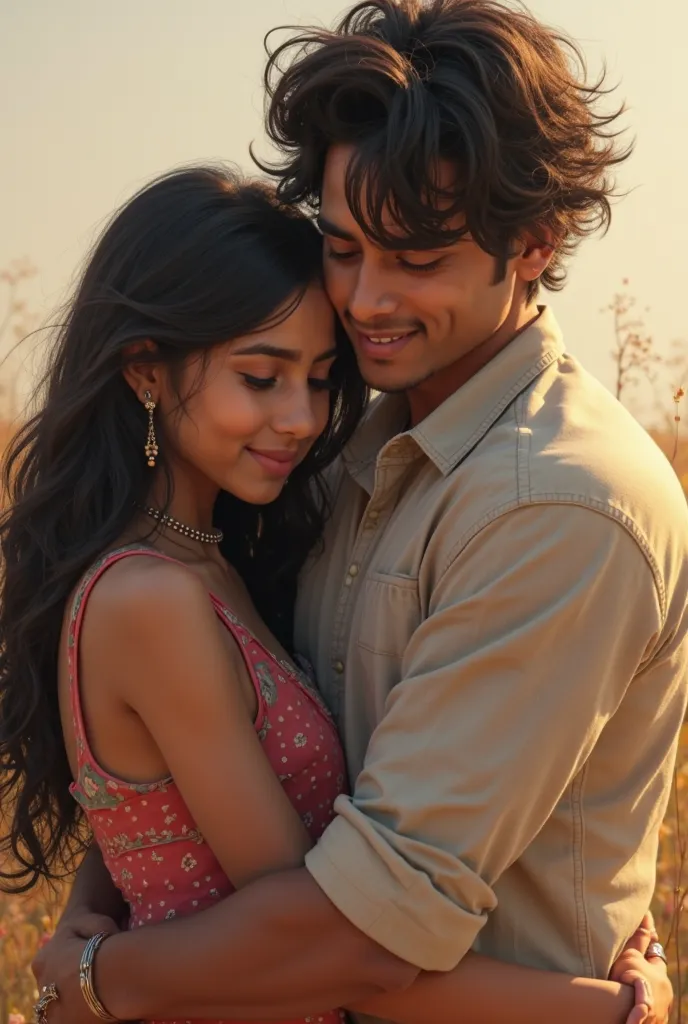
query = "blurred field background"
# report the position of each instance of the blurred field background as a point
(648, 375)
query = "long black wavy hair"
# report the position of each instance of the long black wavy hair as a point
(195, 259)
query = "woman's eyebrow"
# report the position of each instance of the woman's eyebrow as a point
(291, 355)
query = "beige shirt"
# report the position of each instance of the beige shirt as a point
(498, 622)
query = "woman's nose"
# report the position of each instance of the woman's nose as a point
(297, 416)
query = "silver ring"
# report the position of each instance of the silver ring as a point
(49, 995)
(656, 949)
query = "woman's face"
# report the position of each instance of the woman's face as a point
(255, 408)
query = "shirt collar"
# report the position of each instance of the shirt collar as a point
(456, 426)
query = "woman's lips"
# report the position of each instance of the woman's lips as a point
(276, 463)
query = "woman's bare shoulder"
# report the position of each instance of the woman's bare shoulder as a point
(143, 604)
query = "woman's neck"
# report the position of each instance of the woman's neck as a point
(191, 503)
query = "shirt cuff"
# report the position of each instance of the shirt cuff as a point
(388, 899)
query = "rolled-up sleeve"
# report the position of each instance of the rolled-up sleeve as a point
(534, 631)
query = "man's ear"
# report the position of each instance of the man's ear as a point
(140, 371)
(537, 250)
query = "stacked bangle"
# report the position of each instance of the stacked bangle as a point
(86, 978)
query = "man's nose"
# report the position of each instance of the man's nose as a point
(372, 296)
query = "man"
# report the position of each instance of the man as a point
(498, 618)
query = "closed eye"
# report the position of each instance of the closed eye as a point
(259, 383)
(406, 264)
(433, 265)
(322, 384)
(265, 383)
(334, 255)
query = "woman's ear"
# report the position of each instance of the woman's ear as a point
(141, 372)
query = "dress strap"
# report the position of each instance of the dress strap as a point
(254, 654)
(76, 618)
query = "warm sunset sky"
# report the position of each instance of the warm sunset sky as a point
(97, 97)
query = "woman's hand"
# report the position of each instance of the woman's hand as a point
(58, 963)
(649, 978)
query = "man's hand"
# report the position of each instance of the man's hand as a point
(654, 995)
(58, 963)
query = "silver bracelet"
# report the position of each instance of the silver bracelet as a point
(86, 978)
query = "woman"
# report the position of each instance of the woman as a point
(149, 695)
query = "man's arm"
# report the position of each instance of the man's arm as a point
(534, 632)
(485, 991)
(276, 948)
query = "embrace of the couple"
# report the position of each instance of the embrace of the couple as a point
(361, 708)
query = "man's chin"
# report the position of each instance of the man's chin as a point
(389, 383)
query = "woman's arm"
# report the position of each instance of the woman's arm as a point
(162, 649)
(160, 980)
(209, 965)
(95, 905)
(183, 674)
(94, 893)
(485, 991)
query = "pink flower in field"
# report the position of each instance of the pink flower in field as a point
(16, 1018)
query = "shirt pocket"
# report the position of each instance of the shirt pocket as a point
(388, 613)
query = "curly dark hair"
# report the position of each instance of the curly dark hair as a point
(193, 260)
(481, 84)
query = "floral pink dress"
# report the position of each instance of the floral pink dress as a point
(149, 841)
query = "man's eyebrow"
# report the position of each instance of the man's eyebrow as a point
(403, 244)
(328, 228)
(291, 355)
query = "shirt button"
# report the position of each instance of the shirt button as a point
(339, 667)
(353, 570)
(373, 515)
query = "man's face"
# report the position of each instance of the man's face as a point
(435, 305)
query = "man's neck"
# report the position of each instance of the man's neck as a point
(431, 393)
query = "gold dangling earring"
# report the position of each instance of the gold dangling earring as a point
(151, 448)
